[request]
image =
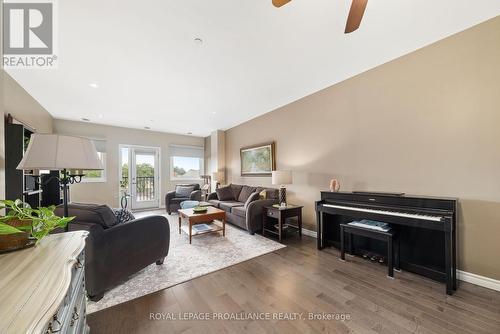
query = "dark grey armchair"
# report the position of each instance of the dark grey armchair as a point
(114, 252)
(182, 192)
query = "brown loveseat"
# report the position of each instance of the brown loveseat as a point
(244, 204)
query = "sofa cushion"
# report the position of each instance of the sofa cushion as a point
(253, 197)
(227, 206)
(183, 191)
(90, 213)
(239, 211)
(236, 189)
(246, 191)
(225, 193)
(214, 202)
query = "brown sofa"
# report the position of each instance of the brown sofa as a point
(243, 205)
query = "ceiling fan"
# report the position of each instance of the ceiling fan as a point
(355, 14)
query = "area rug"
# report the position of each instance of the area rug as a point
(207, 253)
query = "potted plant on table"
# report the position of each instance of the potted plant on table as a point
(23, 226)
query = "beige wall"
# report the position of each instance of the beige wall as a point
(23, 107)
(16, 101)
(427, 123)
(107, 192)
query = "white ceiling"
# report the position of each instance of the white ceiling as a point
(254, 57)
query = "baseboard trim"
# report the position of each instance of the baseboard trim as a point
(464, 276)
(475, 279)
(309, 233)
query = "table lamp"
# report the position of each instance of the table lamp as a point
(282, 177)
(70, 155)
(218, 177)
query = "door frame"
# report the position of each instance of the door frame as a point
(130, 147)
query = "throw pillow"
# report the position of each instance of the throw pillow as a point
(183, 191)
(253, 197)
(263, 194)
(236, 190)
(123, 215)
(245, 193)
(225, 193)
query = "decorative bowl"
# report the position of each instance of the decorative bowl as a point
(200, 209)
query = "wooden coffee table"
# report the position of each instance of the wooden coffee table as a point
(203, 218)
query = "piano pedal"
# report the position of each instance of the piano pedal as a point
(365, 256)
(381, 260)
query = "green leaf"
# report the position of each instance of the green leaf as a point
(7, 202)
(40, 222)
(26, 228)
(7, 229)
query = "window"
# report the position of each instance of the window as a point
(96, 175)
(186, 162)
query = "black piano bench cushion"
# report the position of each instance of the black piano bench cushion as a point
(225, 193)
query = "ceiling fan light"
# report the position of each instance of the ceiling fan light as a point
(280, 3)
(355, 15)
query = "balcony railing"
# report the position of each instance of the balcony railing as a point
(145, 187)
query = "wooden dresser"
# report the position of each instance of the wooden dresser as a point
(42, 289)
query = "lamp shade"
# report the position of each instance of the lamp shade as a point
(218, 176)
(57, 152)
(280, 177)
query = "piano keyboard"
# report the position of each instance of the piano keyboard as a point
(387, 213)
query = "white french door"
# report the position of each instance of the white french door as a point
(143, 177)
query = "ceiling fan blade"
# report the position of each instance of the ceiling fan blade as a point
(355, 15)
(279, 3)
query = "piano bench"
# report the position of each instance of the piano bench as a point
(389, 237)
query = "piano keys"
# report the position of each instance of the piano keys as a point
(426, 227)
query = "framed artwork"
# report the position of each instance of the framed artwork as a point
(259, 160)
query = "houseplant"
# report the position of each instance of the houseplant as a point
(23, 225)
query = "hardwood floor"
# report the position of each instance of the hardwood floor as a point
(303, 280)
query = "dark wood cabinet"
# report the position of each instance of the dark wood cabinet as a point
(25, 185)
(14, 150)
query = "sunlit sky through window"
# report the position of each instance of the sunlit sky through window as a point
(187, 163)
(183, 162)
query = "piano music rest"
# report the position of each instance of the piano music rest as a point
(389, 237)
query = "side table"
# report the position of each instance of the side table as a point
(281, 214)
